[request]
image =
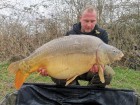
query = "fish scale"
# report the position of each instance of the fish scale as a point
(66, 58)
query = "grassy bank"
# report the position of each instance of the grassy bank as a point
(123, 79)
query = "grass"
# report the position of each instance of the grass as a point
(124, 79)
(127, 79)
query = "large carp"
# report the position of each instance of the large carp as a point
(66, 58)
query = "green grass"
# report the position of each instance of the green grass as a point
(127, 79)
(124, 79)
(7, 80)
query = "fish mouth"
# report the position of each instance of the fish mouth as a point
(120, 57)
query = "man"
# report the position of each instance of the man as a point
(88, 25)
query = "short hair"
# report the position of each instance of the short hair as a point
(89, 8)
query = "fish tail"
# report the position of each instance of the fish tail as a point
(20, 78)
(20, 75)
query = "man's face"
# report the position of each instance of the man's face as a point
(88, 21)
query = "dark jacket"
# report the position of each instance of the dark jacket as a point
(98, 32)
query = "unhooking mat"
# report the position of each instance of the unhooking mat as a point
(44, 94)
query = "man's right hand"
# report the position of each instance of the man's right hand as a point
(42, 72)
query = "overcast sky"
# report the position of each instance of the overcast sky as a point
(18, 4)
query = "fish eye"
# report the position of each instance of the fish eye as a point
(114, 51)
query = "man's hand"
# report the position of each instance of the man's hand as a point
(94, 68)
(42, 71)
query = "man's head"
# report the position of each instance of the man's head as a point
(88, 19)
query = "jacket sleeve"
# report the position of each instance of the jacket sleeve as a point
(70, 32)
(67, 34)
(104, 37)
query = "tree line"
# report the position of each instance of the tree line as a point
(25, 29)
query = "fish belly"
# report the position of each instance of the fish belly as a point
(67, 66)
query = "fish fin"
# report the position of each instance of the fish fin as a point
(101, 74)
(20, 78)
(69, 80)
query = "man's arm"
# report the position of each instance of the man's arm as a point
(70, 32)
(103, 35)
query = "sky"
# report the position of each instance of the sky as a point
(27, 3)
(18, 4)
(46, 12)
